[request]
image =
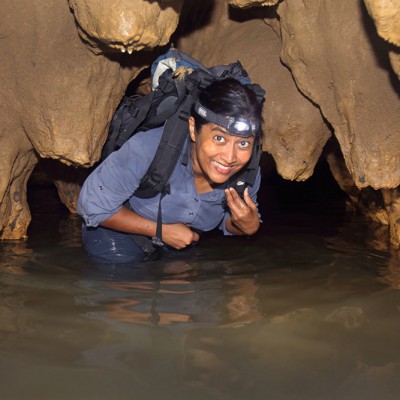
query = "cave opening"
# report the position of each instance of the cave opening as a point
(318, 194)
(42, 193)
(52, 190)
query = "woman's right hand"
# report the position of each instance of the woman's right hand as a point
(178, 236)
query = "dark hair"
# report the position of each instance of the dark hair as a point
(230, 98)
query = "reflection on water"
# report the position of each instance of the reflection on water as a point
(309, 309)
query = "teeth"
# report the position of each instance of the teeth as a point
(130, 51)
(221, 166)
(123, 50)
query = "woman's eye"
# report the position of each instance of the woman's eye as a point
(244, 144)
(219, 138)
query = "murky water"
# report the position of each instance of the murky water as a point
(309, 309)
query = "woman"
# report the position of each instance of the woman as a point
(198, 189)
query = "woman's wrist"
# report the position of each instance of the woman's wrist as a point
(249, 229)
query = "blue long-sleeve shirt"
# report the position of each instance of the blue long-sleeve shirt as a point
(114, 182)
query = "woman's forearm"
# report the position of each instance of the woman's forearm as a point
(128, 221)
(177, 236)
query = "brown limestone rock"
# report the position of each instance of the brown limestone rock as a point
(386, 15)
(339, 62)
(368, 201)
(127, 25)
(381, 206)
(394, 57)
(251, 3)
(57, 98)
(16, 165)
(295, 132)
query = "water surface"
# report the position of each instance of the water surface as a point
(307, 309)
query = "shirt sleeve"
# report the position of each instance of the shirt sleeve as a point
(253, 194)
(115, 180)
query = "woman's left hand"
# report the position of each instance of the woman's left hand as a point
(244, 218)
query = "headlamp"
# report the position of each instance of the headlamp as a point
(237, 126)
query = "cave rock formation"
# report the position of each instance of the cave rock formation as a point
(331, 71)
(59, 89)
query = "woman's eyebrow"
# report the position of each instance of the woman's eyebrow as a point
(252, 136)
(219, 129)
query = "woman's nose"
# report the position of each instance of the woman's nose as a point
(229, 154)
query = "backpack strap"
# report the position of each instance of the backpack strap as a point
(157, 239)
(155, 180)
(138, 107)
(175, 133)
(172, 92)
(134, 112)
(115, 127)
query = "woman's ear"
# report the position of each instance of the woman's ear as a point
(192, 129)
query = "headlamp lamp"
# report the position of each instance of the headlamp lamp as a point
(237, 126)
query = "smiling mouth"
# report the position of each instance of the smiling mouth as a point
(222, 169)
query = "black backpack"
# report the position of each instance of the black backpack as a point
(177, 80)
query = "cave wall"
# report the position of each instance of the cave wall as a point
(59, 90)
(341, 64)
(330, 69)
(337, 62)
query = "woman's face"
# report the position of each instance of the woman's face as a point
(216, 154)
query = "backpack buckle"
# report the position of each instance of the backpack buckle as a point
(184, 115)
(205, 82)
(157, 242)
(133, 110)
